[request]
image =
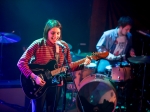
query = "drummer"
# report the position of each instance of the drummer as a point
(118, 42)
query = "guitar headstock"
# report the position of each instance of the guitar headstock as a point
(99, 55)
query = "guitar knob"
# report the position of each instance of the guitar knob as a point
(31, 93)
(34, 89)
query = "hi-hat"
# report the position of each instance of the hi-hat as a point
(139, 59)
(8, 38)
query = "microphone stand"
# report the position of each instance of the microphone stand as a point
(1, 56)
(142, 47)
(68, 68)
(142, 95)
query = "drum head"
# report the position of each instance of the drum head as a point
(91, 65)
(97, 95)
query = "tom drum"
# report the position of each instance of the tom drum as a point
(121, 73)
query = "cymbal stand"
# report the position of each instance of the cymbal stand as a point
(1, 56)
(142, 48)
(140, 108)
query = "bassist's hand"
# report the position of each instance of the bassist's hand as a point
(38, 80)
(87, 60)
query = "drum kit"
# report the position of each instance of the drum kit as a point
(98, 92)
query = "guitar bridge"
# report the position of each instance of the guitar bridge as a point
(55, 80)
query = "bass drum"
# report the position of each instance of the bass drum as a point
(97, 94)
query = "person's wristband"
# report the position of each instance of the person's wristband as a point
(35, 77)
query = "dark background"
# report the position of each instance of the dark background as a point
(83, 21)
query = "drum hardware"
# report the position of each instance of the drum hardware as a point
(141, 60)
(108, 71)
(121, 93)
(6, 38)
(71, 99)
(120, 74)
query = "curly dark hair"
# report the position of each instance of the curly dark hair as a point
(51, 23)
(124, 21)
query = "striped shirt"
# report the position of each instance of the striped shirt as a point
(41, 52)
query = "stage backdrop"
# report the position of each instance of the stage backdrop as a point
(83, 23)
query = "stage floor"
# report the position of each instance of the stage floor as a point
(13, 99)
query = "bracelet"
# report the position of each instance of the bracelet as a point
(35, 77)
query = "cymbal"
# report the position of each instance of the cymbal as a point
(8, 38)
(84, 54)
(76, 57)
(139, 59)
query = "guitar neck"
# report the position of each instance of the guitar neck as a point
(95, 56)
(57, 71)
(77, 63)
(63, 69)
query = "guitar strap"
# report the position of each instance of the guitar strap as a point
(57, 53)
(57, 59)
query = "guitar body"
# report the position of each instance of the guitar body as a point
(31, 89)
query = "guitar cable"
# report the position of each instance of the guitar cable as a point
(30, 104)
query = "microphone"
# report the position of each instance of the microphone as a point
(60, 44)
(143, 33)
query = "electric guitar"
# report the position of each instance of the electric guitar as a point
(48, 73)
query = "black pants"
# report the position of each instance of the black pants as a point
(50, 97)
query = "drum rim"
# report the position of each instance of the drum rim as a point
(97, 79)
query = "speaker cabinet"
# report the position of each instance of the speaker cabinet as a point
(13, 99)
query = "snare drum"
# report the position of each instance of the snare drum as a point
(97, 94)
(81, 74)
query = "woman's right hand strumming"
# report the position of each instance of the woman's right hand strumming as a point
(38, 80)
